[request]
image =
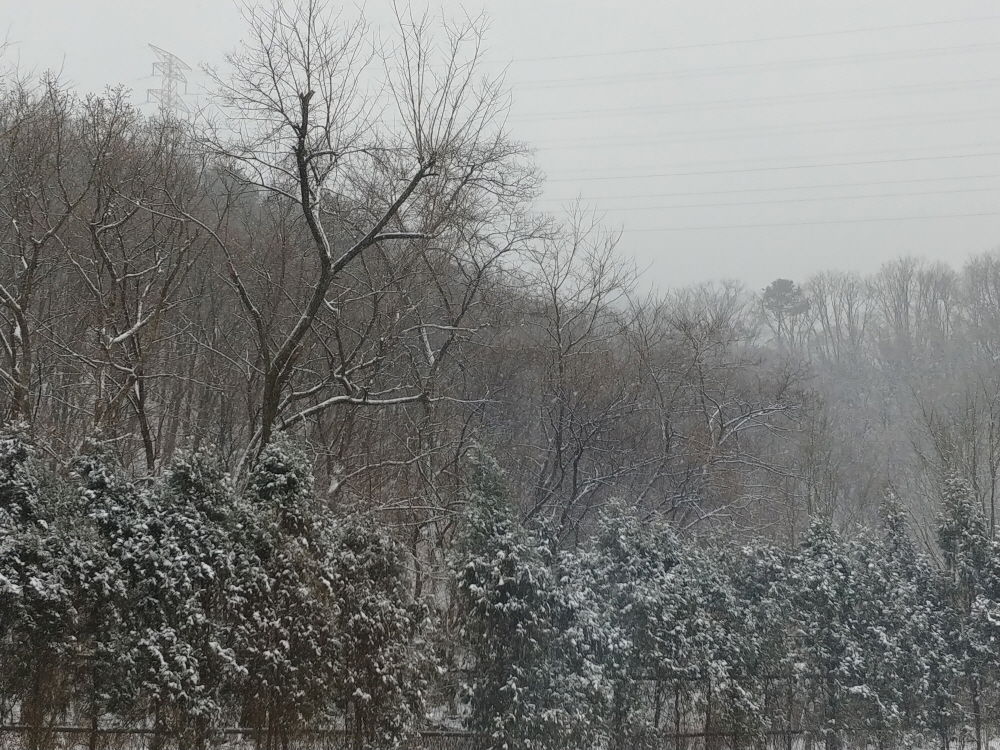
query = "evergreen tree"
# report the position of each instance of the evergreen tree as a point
(887, 604)
(964, 541)
(384, 667)
(328, 629)
(662, 607)
(825, 599)
(174, 543)
(100, 586)
(968, 554)
(37, 614)
(534, 683)
(286, 635)
(761, 681)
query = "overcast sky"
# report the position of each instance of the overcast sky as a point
(724, 138)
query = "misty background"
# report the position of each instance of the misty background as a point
(724, 139)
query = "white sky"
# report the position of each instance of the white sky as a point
(725, 138)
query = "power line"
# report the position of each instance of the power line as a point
(814, 223)
(840, 155)
(775, 169)
(774, 189)
(838, 126)
(773, 196)
(948, 86)
(817, 199)
(758, 40)
(561, 83)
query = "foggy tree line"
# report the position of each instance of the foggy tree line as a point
(156, 298)
(904, 363)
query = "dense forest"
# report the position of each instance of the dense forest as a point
(311, 421)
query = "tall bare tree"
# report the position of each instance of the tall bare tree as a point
(41, 183)
(386, 156)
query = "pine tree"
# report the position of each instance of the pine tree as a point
(328, 630)
(964, 541)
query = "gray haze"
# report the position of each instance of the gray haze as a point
(724, 139)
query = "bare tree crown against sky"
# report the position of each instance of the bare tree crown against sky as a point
(726, 139)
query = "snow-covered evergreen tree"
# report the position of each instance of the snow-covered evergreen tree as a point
(891, 621)
(533, 682)
(100, 585)
(828, 653)
(383, 665)
(757, 623)
(174, 543)
(663, 604)
(285, 632)
(327, 631)
(973, 588)
(964, 540)
(37, 612)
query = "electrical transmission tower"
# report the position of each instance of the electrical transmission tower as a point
(171, 68)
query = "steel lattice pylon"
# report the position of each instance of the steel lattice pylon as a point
(171, 68)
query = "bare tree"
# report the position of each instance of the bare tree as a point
(841, 306)
(370, 160)
(130, 252)
(982, 303)
(734, 408)
(40, 186)
(583, 387)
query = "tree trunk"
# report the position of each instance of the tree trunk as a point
(677, 718)
(789, 713)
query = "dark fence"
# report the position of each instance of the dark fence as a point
(82, 738)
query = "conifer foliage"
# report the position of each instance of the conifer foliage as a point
(535, 681)
(186, 606)
(858, 638)
(36, 599)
